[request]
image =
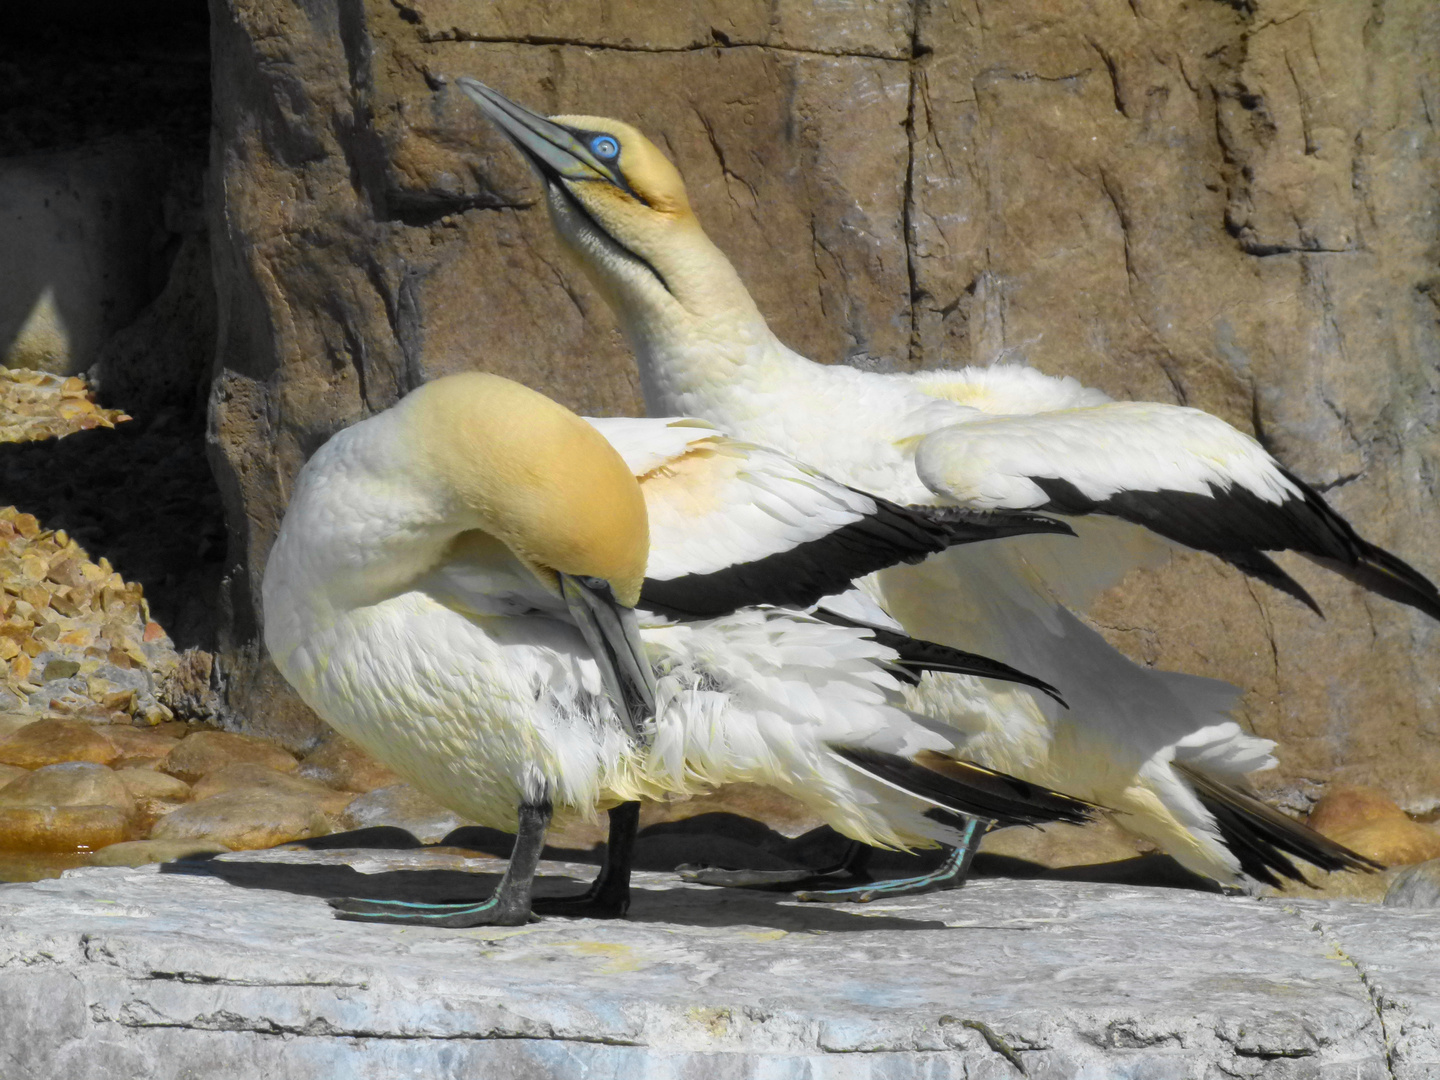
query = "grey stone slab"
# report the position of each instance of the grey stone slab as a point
(241, 972)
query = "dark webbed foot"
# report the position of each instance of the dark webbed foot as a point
(585, 906)
(951, 874)
(510, 906)
(784, 880)
(609, 895)
(458, 916)
(850, 868)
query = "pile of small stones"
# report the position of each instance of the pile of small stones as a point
(38, 405)
(76, 639)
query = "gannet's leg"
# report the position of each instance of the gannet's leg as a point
(949, 875)
(609, 894)
(850, 867)
(510, 906)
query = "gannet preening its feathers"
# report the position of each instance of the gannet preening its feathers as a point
(455, 587)
(1131, 479)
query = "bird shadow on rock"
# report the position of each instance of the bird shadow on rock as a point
(717, 839)
(681, 905)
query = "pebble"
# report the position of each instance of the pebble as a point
(47, 742)
(71, 783)
(339, 763)
(1416, 886)
(402, 806)
(206, 751)
(260, 777)
(1369, 822)
(142, 852)
(243, 819)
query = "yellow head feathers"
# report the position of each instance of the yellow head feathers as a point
(537, 477)
(639, 163)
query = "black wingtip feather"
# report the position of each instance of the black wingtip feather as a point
(1261, 836)
(966, 788)
(1261, 567)
(916, 656)
(1238, 525)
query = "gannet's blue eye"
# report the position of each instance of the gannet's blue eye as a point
(605, 147)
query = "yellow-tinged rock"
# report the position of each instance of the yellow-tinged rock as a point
(206, 751)
(47, 742)
(340, 764)
(261, 778)
(137, 742)
(244, 819)
(70, 783)
(142, 852)
(151, 784)
(1368, 821)
(61, 828)
(11, 772)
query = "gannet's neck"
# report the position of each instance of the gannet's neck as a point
(701, 340)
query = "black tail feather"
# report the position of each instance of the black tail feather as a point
(965, 788)
(917, 656)
(1261, 836)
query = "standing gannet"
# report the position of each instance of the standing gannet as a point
(1160, 747)
(454, 587)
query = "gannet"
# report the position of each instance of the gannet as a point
(1159, 747)
(455, 587)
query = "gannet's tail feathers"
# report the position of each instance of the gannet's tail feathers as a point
(1261, 836)
(916, 656)
(959, 787)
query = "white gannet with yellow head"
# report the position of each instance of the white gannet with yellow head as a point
(455, 588)
(1133, 478)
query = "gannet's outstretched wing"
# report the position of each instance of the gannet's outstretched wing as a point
(1181, 473)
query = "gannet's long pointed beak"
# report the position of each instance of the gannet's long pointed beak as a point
(550, 147)
(613, 634)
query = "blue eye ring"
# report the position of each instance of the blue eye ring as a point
(605, 147)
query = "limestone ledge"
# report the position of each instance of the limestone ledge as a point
(234, 967)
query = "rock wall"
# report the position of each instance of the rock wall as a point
(1226, 205)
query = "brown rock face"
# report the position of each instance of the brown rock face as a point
(1230, 206)
(205, 752)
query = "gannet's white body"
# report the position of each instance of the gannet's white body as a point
(400, 617)
(1005, 437)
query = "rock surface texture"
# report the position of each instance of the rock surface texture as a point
(1225, 205)
(236, 969)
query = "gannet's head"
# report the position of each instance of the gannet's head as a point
(618, 204)
(536, 477)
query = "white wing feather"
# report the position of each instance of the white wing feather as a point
(987, 463)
